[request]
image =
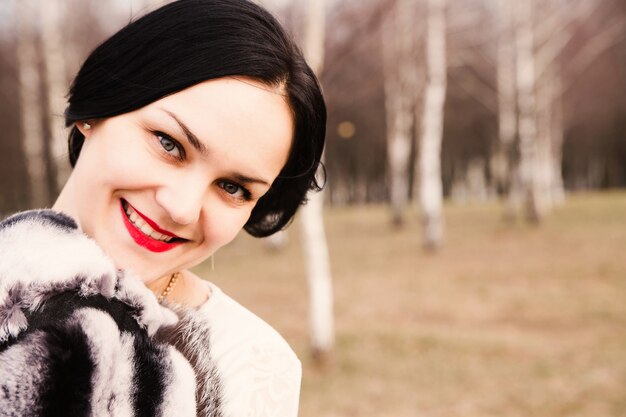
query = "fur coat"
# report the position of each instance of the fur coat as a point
(79, 338)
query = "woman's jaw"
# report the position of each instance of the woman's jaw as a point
(133, 237)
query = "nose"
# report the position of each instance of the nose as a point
(182, 199)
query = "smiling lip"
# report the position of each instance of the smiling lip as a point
(142, 239)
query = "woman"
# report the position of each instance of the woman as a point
(197, 120)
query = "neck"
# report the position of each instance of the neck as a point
(64, 202)
(189, 291)
(158, 285)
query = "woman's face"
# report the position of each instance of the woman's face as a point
(163, 187)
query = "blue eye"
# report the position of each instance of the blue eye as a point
(231, 188)
(170, 145)
(167, 144)
(235, 190)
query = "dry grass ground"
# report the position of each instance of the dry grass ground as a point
(507, 320)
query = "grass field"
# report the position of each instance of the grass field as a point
(507, 320)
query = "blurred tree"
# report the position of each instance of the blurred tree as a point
(579, 59)
(14, 186)
(471, 107)
(353, 85)
(507, 116)
(30, 103)
(593, 97)
(541, 83)
(401, 90)
(525, 186)
(431, 188)
(314, 237)
(52, 13)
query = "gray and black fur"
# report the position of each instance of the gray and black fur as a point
(77, 336)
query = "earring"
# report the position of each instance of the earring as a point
(86, 126)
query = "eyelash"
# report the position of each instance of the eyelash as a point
(247, 196)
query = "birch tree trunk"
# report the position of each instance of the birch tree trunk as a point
(314, 237)
(549, 96)
(502, 162)
(546, 171)
(30, 102)
(51, 12)
(400, 73)
(542, 89)
(526, 103)
(431, 189)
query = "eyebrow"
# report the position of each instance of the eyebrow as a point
(199, 146)
(247, 180)
(191, 138)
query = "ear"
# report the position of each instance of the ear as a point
(85, 127)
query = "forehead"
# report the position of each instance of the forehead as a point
(228, 97)
(233, 115)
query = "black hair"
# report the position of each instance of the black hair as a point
(190, 41)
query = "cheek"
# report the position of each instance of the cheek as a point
(113, 166)
(224, 225)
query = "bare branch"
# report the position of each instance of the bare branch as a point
(610, 36)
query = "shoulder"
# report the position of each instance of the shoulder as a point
(260, 372)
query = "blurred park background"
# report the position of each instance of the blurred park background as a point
(475, 211)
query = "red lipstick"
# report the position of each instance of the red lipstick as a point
(153, 245)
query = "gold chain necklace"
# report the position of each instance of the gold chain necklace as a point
(170, 285)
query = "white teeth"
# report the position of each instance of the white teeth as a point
(158, 236)
(139, 222)
(144, 227)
